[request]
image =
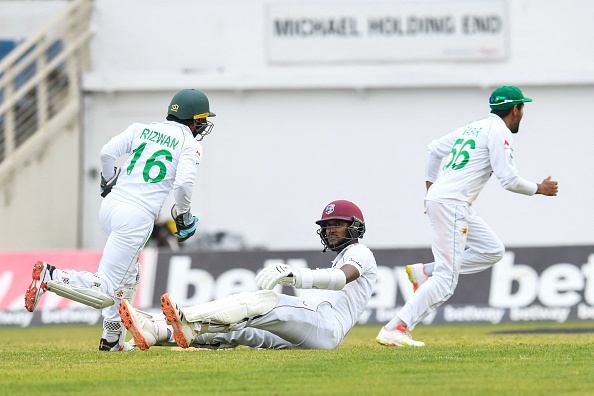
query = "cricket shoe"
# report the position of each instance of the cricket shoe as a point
(183, 331)
(115, 346)
(113, 338)
(147, 330)
(40, 276)
(397, 338)
(416, 275)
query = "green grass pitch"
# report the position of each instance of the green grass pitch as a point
(458, 360)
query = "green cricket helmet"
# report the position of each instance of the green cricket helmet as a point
(192, 104)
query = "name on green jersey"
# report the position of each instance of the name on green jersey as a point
(159, 138)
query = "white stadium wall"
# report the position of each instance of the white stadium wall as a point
(291, 136)
(275, 158)
(299, 125)
(45, 183)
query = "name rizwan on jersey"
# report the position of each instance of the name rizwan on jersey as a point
(159, 138)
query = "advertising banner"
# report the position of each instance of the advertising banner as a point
(528, 284)
(15, 278)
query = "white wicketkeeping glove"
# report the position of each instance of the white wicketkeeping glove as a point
(280, 274)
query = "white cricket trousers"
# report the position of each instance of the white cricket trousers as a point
(294, 323)
(127, 229)
(462, 243)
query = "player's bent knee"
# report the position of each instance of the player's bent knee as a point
(260, 302)
(234, 308)
(495, 257)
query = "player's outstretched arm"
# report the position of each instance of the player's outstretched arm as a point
(547, 187)
(302, 278)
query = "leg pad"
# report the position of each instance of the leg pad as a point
(91, 297)
(234, 308)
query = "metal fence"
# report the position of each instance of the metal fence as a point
(39, 86)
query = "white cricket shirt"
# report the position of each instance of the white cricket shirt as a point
(473, 153)
(163, 155)
(349, 302)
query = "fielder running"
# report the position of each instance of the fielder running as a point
(267, 320)
(163, 157)
(462, 243)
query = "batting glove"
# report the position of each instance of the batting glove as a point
(186, 226)
(106, 185)
(280, 274)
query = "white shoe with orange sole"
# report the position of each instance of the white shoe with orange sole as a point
(183, 331)
(397, 338)
(416, 275)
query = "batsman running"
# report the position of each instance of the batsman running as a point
(462, 243)
(267, 320)
(163, 156)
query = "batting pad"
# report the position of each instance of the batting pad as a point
(83, 295)
(234, 308)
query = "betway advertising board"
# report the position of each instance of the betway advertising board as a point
(528, 284)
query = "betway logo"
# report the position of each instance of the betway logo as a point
(512, 285)
(560, 285)
(190, 286)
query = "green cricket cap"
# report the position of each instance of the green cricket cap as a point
(506, 97)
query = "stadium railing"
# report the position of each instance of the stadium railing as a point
(40, 93)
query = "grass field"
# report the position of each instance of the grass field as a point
(458, 360)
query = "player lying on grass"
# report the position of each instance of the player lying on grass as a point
(265, 319)
(164, 158)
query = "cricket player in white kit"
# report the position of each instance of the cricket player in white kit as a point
(163, 156)
(462, 243)
(267, 320)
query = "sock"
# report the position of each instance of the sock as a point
(51, 269)
(428, 269)
(112, 337)
(394, 323)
